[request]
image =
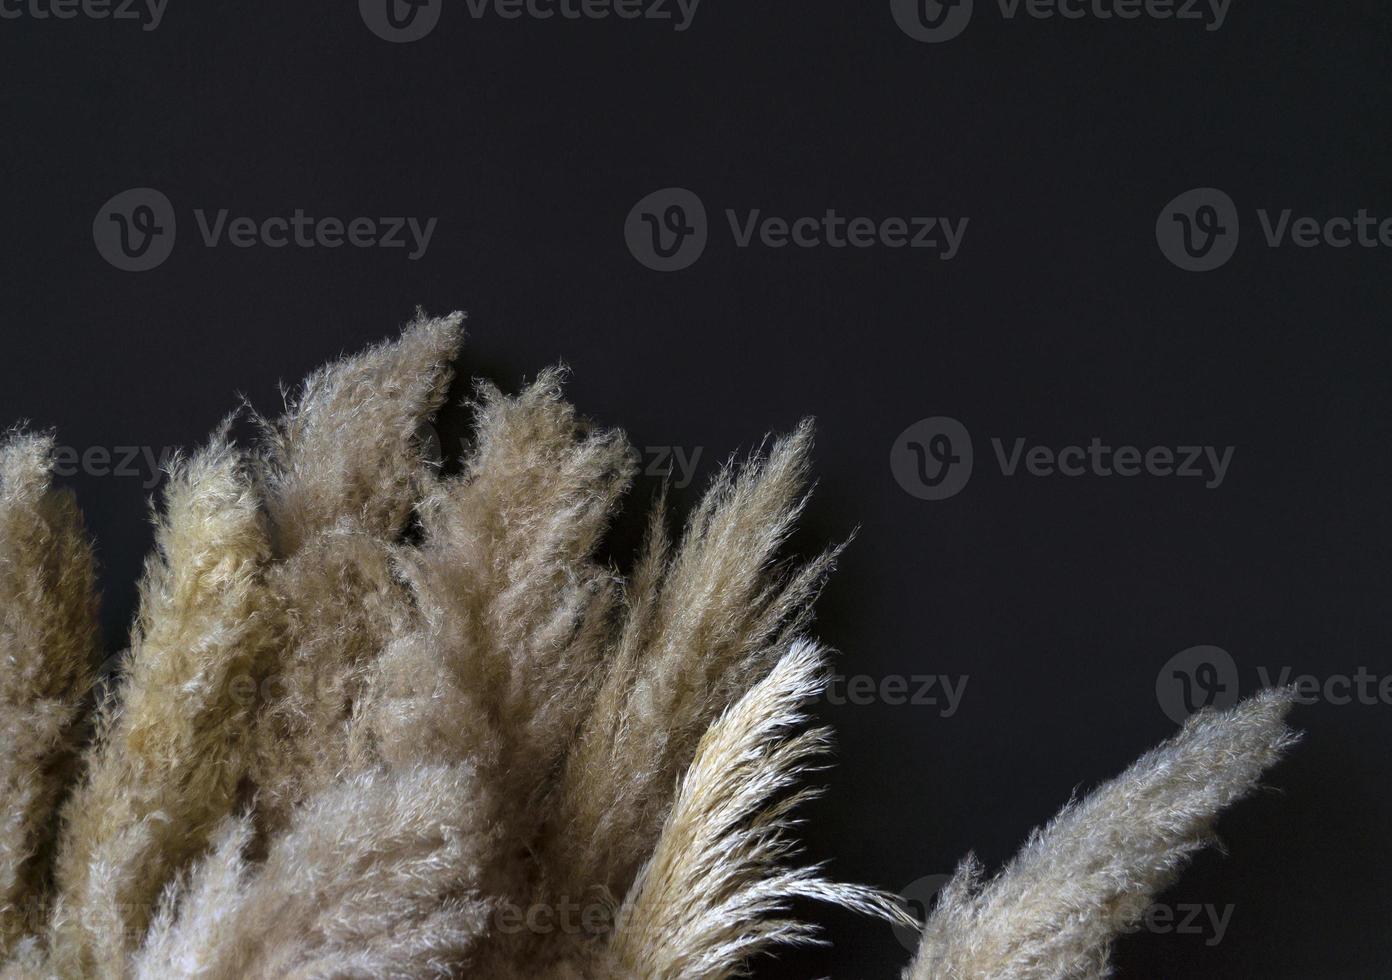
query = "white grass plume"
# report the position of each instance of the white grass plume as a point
(1054, 911)
(716, 890)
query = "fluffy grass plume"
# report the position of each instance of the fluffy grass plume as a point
(170, 747)
(48, 651)
(364, 882)
(1078, 883)
(702, 622)
(341, 473)
(376, 721)
(716, 889)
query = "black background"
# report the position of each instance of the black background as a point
(1058, 321)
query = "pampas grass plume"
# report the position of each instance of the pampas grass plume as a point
(377, 721)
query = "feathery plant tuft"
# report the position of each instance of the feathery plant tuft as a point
(380, 722)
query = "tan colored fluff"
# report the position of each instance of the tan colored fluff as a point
(513, 613)
(339, 749)
(342, 471)
(171, 750)
(48, 647)
(365, 882)
(344, 454)
(702, 623)
(511, 616)
(338, 595)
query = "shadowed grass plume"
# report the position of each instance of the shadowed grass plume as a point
(48, 646)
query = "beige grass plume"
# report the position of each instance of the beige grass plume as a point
(170, 749)
(341, 473)
(364, 882)
(48, 652)
(380, 722)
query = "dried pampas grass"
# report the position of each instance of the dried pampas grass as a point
(1092, 872)
(379, 722)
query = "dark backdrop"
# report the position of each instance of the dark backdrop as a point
(1059, 319)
